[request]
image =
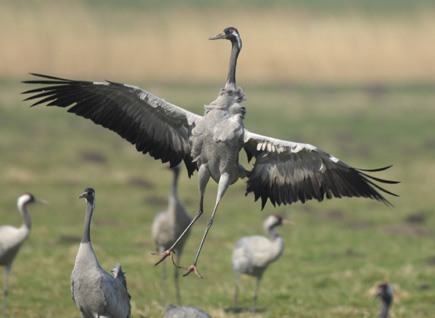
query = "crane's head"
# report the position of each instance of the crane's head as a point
(27, 198)
(385, 292)
(231, 34)
(89, 195)
(275, 220)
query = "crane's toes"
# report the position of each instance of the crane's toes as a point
(190, 269)
(164, 255)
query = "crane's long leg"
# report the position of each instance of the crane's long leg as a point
(236, 288)
(5, 289)
(224, 183)
(177, 286)
(255, 295)
(161, 248)
(203, 177)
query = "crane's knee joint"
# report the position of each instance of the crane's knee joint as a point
(198, 213)
(209, 222)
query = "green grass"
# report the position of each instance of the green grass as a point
(337, 251)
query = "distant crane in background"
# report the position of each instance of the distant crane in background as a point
(11, 239)
(96, 292)
(284, 172)
(167, 227)
(385, 293)
(253, 254)
(185, 312)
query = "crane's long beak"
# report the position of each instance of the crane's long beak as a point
(82, 195)
(218, 37)
(287, 222)
(41, 201)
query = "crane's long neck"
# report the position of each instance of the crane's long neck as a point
(235, 50)
(272, 233)
(27, 222)
(86, 238)
(173, 194)
(385, 307)
(277, 243)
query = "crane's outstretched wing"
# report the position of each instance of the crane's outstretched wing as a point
(286, 172)
(150, 123)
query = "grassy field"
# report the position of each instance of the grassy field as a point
(367, 116)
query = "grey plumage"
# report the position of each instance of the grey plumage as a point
(284, 172)
(11, 239)
(253, 254)
(167, 227)
(385, 293)
(96, 292)
(185, 312)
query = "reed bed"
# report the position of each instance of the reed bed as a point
(281, 43)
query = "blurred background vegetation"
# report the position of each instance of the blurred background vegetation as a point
(355, 78)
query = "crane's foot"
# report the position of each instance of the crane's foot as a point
(164, 255)
(190, 269)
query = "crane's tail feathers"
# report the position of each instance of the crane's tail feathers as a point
(119, 275)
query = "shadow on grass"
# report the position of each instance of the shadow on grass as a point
(239, 310)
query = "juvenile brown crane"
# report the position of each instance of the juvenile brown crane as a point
(167, 227)
(284, 171)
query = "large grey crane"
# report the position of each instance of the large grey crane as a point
(96, 292)
(385, 293)
(185, 312)
(12, 237)
(167, 227)
(284, 171)
(253, 254)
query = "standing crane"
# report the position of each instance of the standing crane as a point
(11, 239)
(253, 254)
(185, 312)
(385, 293)
(284, 172)
(96, 292)
(167, 227)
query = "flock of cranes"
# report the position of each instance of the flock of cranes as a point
(100, 294)
(284, 172)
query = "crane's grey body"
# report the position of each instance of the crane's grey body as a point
(185, 312)
(385, 293)
(253, 254)
(96, 292)
(11, 239)
(167, 227)
(284, 172)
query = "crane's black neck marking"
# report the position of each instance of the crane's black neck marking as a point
(27, 220)
(86, 238)
(236, 43)
(385, 308)
(385, 305)
(22, 206)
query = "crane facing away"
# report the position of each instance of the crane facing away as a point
(96, 292)
(11, 239)
(167, 227)
(185, 312)
(385, 293)
(253, 254)
(284, 172)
